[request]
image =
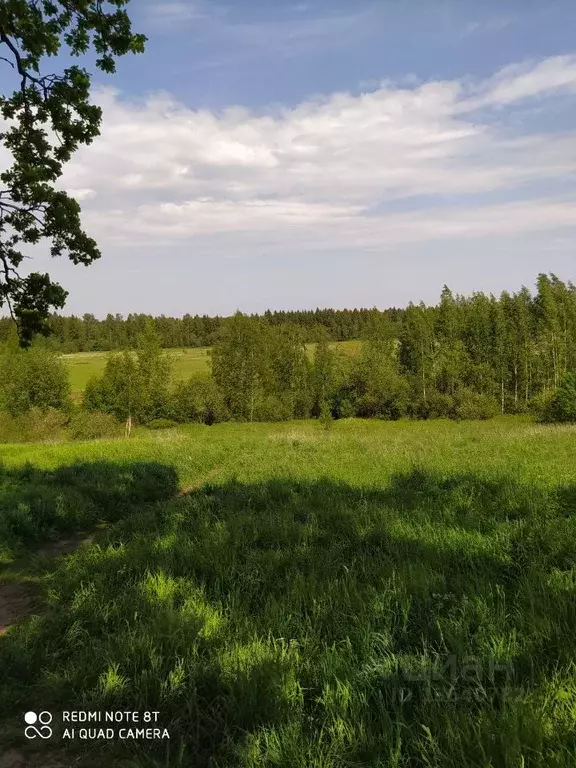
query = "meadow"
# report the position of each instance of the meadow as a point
(82, 366)
(391, 594)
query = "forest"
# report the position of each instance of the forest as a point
(69, 334)
(465, 358)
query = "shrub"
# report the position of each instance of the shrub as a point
(33, 378)
(162, 424)
(437, 405)
(42, 425)
(389, 402)
(36, 425)
(562, 406)
(273, 408)
(540, 405)
(325, 417)
(472, 405)
(92, 425)
(515, 407)
(345, 409)
(197, 399)
(7, 428)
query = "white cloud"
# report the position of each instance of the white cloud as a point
(523, 81)
(81, 194)
(489, 26)
(309, 175)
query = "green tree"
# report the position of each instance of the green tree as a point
(33, 378)
(290, 368)
(452, 358)
(116, 391)
(240, 365)
(47, 117)
(478, 339)
(133, 385)
(447, 318)
(549, 330)
(563, 404)
(451, 365)
(501, 346)
(197, 399)
(322, 375)
(417, 349)
(153, 375)
(380, 390)
(524, 329)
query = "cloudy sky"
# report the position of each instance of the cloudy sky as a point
(343, 153)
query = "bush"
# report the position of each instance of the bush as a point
(472, 405)
(325, 417)
(345, 409)
(562, 406)
(437, 406)
(33, 378)
(273, 408)
(197, 399)
(389, 402)
(36, 425)
(162, 424)
(7, 428)
(92, 425)
(515, 407)
(541, 403)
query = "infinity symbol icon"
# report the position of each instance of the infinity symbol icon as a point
(31, 731)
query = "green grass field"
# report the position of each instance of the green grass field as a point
(377, 594)
(186, 362)
(82, 366)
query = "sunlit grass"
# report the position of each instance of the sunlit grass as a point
(380, 594)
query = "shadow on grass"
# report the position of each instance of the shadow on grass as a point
(38, 505)
(426, 623)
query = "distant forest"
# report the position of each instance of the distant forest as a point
(466, 357)
(88, 334)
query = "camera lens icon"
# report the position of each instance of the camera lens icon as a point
(44, 719)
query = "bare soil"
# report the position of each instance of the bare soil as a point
(17, 599)
(16, 602)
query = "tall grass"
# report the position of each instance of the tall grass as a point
(376, 595)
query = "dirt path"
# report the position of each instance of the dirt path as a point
(16, 602)
(18, 599)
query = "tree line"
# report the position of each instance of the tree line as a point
(69, 334)
(466, 357)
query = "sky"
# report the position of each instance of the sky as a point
(287, 155)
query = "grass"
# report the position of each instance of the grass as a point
(82, 366)
(380, 594)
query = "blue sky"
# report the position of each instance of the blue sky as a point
(301, 154)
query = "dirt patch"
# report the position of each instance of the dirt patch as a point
(17, 598)
(16, 602)
(64, 547)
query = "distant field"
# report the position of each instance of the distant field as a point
(375, 595)
(83, 365)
